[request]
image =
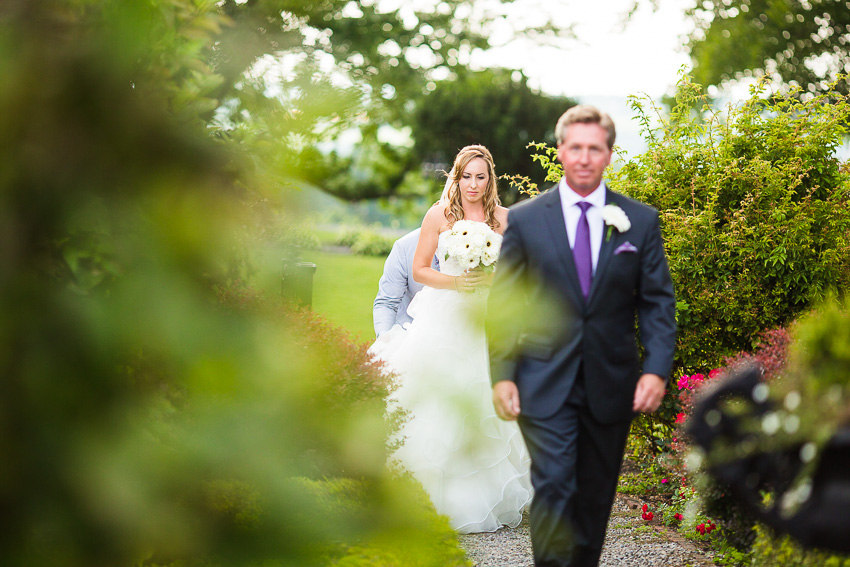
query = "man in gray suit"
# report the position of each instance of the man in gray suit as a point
(397, 286)
(572, 373)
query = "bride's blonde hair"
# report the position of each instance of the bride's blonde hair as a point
(451, 197)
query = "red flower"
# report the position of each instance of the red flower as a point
(714, 373)
(681, 417)
(701, 529)
(647, 516)
(678, 517)
(644, 508)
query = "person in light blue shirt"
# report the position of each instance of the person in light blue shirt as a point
(397, 286)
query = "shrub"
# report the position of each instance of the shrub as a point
(755, 212)
(366, 241)
(370, 243)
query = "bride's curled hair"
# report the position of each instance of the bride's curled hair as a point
(451, 197)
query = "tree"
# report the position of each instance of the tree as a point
(493, 107)
(806, 43)
(389, 54)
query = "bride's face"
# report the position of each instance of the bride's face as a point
(474, 180)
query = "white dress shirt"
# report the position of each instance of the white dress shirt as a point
(572, 212)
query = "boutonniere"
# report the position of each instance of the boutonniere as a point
(614, 217)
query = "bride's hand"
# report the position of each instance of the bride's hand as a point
(466, 282)
(477, 277)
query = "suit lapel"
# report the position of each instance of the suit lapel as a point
(554, 219)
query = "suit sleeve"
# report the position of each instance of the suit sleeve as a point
(656, 307)
(391, 290)
(507, 295)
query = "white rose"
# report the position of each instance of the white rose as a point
(616, 217)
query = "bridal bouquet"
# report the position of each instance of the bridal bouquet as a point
(473, 244)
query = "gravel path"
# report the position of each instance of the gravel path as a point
(630, 542)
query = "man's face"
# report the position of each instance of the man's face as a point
(584, 154)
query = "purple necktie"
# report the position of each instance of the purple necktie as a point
(581, 250)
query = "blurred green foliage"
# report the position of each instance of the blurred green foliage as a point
(770, 549)
(155, 410)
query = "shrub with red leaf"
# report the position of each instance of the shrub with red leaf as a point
(770, 353)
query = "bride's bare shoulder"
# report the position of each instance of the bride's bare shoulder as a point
(435, 217)
(501, 214)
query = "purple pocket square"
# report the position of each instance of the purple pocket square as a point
(625, 247)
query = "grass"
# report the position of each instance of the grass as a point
(344, 286)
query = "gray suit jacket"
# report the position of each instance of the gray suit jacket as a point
(543, 332)
(397, 286)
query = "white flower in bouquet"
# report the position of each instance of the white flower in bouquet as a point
(492, 247)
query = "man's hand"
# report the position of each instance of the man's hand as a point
(649, 393)
(506, 400)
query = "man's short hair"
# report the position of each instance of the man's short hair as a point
(585, 114)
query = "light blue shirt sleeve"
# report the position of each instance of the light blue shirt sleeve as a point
(391, 289)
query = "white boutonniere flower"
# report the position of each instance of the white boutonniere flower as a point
(615, 217)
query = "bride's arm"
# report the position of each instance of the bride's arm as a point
(429, 235)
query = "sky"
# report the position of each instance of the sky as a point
(608, 58)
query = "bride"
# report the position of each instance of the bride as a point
(473, 465)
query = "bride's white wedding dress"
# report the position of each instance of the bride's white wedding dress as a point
(473, 465)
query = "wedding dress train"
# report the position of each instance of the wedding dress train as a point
(473, 465)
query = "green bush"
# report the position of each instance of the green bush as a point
(366, 241)
(373, 244)
(755, 213)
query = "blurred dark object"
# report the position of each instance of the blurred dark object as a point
(822, 519)
(296, 282)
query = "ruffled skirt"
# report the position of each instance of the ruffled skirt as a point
(473, 465)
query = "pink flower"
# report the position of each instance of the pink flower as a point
(683, 382)
(664, 481)
(696, 379)
(681, 417)
(714, 373)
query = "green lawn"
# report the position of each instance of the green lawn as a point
(344, 286)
